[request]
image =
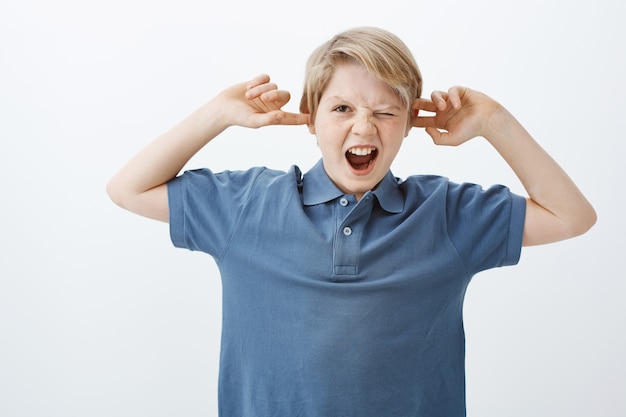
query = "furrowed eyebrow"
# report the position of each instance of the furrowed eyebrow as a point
(381, 106)
(389, 108)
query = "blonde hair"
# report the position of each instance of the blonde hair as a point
(382, 53)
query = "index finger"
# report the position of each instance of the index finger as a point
(421, 121)
(424, 104)
(292, 119)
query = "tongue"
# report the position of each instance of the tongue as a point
(359, 161)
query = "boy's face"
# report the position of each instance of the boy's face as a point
(360, 124)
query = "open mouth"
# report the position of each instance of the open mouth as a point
(360, 158)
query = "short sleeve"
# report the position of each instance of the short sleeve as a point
(205, 207)
(485, 225)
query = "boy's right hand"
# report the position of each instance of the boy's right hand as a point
(259, 103)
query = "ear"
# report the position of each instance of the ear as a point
(413, 114)
(311, 127)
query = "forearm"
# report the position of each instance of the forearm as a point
(554, 199)
(162, 159)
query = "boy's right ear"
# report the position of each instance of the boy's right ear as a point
(311, 125)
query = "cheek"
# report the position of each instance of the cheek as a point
(393, 147)
(328, 139)
(328, 148)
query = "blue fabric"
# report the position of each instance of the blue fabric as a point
(333, 308)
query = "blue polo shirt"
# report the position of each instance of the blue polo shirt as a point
(338, 308)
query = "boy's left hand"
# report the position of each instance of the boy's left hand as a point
(460, 114)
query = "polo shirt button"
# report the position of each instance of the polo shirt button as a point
(347, 231)
(343, 201)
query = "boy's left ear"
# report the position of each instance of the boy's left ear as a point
(409, 125)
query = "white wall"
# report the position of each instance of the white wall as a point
(101, 316)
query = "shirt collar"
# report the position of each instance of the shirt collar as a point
(389, 195)
(318, 188)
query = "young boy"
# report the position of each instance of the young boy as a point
(343, 287)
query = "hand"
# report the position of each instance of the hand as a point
(258, 103)
(459, 115)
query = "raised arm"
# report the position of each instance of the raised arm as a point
(141, 185)
(556, 209)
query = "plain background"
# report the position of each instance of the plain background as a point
(101, 316)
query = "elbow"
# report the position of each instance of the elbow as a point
(115, 194)
(543, 226)
(152, 203)
(588, 220)
(583, 222)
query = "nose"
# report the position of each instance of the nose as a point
(363, 125)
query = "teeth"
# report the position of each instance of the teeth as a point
(361, 151)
